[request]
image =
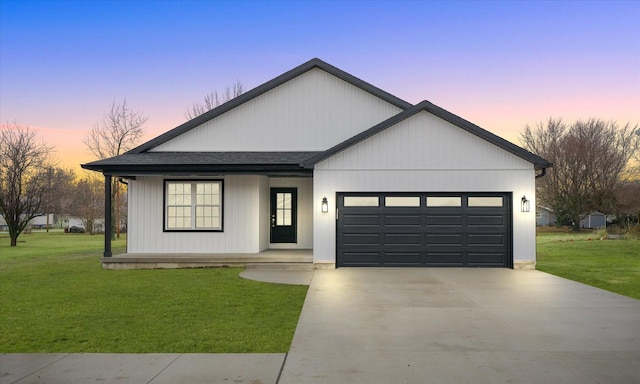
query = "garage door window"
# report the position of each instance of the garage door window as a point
(402, 201)
(444, 201)
(493, 201)
(361, 201)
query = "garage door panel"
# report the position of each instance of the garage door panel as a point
(402, 258)
(485, 221)
(360, 239)
(444, 258)
(444, 220)
(444, 239)
(495, 259)
(403, 239)
(360, 220)
(480, 239)
(360, 258)
(402, 221)
(475, 231)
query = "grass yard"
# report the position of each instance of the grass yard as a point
(55, 297)
(613, 265)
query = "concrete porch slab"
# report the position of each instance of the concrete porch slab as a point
(205, 260)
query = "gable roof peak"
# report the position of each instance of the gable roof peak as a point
(426, 106)
(269, 85)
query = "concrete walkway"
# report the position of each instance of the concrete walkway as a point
(81, 368)
(291, 277)
(403, 326)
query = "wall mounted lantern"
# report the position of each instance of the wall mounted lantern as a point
(325, 205)
(524, 204)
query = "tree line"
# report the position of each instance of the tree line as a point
(596, 167)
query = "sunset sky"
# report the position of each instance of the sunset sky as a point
(501, 65)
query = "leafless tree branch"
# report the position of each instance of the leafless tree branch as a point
(212, 100)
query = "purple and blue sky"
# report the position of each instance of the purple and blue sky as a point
(500, 64)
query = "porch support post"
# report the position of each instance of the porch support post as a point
(107, 216)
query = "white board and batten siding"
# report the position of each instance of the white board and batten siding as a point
(246, 217)
(424, 154)
(311, 112)
(240, 229)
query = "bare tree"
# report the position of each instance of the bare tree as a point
(629, 201)
(589, 159)
(212, 100)
(25, 170)
(119, 131)
(88, 199)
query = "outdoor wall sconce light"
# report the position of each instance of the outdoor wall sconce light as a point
(325, 205)
(524, 204)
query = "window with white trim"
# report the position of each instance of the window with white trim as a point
(193, 205)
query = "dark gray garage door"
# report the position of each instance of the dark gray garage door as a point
(424, 230)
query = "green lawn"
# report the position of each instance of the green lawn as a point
(613, 265)
(55, 297)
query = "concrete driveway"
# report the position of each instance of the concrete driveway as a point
(462, 326)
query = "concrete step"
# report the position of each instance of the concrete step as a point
(280, 266)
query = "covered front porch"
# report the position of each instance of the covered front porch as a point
(301, 259)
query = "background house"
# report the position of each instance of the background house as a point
(545, 216)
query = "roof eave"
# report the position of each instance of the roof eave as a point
(197, 169)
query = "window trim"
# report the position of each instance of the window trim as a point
(165, 182)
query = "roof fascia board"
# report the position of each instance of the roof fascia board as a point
(269, 85)
(200, 169)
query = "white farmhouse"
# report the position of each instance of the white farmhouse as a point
(317, 162)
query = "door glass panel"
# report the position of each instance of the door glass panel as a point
(361, 201)
(283, 209)
(444, 201)
(402, 201)
(489, 201)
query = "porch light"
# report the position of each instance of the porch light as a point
(325, 205)
(524, 204)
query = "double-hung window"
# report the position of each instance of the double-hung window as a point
(193, 205)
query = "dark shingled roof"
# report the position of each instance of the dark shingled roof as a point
(140, 161)
(203, 162)
(538, 161)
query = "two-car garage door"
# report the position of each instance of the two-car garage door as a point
(424, 230)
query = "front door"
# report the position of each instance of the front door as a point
(284, 202)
